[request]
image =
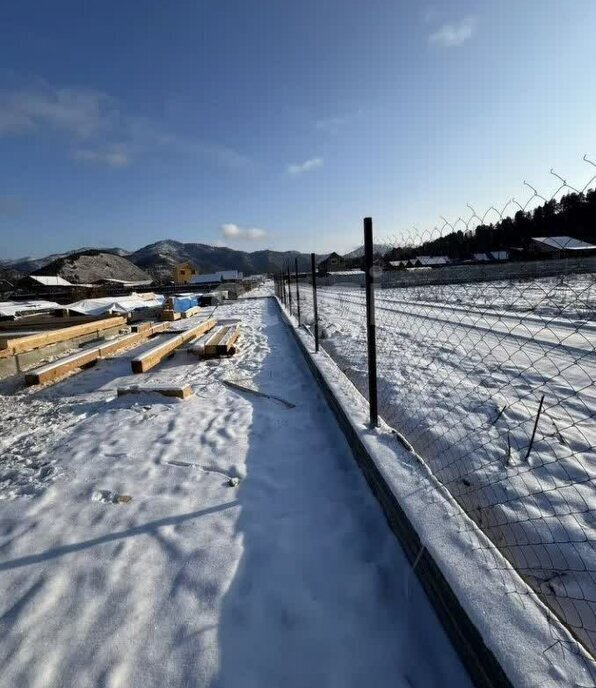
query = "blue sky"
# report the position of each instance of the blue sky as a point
(278, 124)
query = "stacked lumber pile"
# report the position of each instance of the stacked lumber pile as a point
(221, 343)
(83, 359)
(11, 346)
(157, 354)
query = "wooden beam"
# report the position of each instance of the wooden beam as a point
(190, 312)
(178, 392)
(57, 369)
(35, 341)
(169, 314)
(223, 341)
(157, 354)
(42, 322)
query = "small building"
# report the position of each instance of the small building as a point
(217, 277)
(491, 257)
(561, 246)
(399, 264)
(333, 263)
(184, 272)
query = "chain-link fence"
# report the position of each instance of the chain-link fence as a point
(486, 365)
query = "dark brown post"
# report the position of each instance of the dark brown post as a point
(297, 290)
(314, 300)
(289, 289)
(370, 321)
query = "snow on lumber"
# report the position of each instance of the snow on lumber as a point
(59, 368)
(183, 392)
(222, 342)
(156, 355)
(36, 341)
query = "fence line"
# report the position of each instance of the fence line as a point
(492, 380)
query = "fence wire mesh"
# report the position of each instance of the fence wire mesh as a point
(486, 365)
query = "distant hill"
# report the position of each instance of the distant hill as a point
(157, 260)
(29, 265)
(91, 266)
(379, 249)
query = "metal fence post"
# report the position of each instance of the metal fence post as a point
(314, 300)
(289, 289)
(370, 321)
(297, 290)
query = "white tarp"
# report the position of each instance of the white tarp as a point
(118, 304)
(8, 309)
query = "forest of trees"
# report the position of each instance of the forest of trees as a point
(573, 215)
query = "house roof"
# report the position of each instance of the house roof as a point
(431, 260)
(566, 243)
(491, 255)
(52, 281)
(128, 283)
(222, 276)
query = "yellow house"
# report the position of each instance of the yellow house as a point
(184, 272)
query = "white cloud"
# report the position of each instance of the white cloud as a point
(92, 118)
(113, 158)
(306, 166)
(455, 34)
(79, 112)
(235, 232)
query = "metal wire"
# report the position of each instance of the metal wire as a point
(488, 369)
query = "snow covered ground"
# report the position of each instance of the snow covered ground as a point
(227, 540)
(462, 370)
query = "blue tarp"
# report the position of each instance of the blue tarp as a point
(183, 303)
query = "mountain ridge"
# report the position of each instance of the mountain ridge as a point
(159, 258)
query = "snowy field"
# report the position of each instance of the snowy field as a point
(462, 370)
(227, 540)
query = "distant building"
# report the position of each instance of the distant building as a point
(491, 257)
(184, 272)
(429, 261)
(333, 263)
(217, 277)
(561, 246)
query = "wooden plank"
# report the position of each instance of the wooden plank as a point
(169, 315)
(223, 341)
(178, 392)
(156, 355)
(141, 327)
(52, 371)
(57, 369)
(40, 322)
(190, 312)
(36, 341)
